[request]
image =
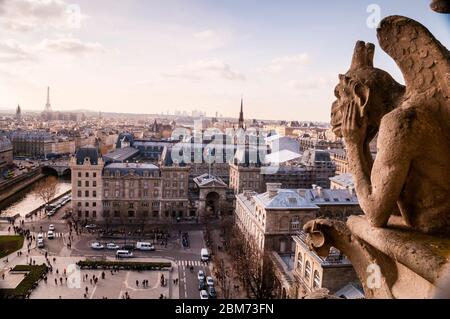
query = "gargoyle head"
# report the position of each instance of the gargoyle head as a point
(373, 90)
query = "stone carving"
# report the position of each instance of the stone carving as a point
(413, 126)
(441, 6)
(410, 173)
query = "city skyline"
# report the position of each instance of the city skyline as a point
(187, 55)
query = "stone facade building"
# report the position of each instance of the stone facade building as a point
(127, 192)
(87, 167)
(315, 168)
(273, 217)
(312, 273)
(6, 152)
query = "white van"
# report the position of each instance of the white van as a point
(145, 246)
(204, 254)
(124, 254)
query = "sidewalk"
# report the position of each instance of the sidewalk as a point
(233, 280)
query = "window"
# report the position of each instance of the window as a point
(145, 193)
(94, 214)
(87, 175)
(79, 183)
(307, 270)
(94, 204)
(130, 205)
(79, 174)
(86, 183)
(116, 214)
(79, 194)
(79, 204)
(86, 204)
(94, 193)
(130, 214)
(94, 184)
(86, 214)
(295, 223)
(299, 262)
(131, 194)
(94, 175)
(117, 194)
(86, 193)
(316, 283)
(106, 194)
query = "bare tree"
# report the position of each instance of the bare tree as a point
(46, 189)
(254, 267)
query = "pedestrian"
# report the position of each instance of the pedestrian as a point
(87, 289)
(137, 283)
(56, 282)
(3, 276)
(61, 280)
(57, 271)
(90, 280)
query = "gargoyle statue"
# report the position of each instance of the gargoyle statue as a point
(411, 168)
(410, 174)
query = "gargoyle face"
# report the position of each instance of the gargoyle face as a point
(336, 116)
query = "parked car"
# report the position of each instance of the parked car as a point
(91, 226)
(204, 294)
(124, 254)
(204, 253)
(210, 281)
(51, 227)
(127, 247)
(40, 236)
(112, 246)
(212, 293)
(40, 243)
(145, 246)
(201, 275)
(51, 212)
(97, 246)
(202, 285)
(50, 234)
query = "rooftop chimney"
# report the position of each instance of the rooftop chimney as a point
(272, 189)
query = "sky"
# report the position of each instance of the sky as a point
(153, 56)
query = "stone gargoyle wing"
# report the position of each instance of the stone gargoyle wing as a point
(423, 60)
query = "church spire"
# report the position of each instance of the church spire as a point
(241, 114)
(18, 113)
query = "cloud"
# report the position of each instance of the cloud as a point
(280, 64)
(71, 46)
(30, 15)
(308, 85)
(205, 69)
(209, 40)
(12, 51)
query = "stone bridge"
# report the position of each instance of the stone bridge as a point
(59, 168)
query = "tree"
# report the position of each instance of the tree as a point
(46, 189)
(253, 266)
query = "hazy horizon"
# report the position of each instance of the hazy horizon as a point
(150, 57)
